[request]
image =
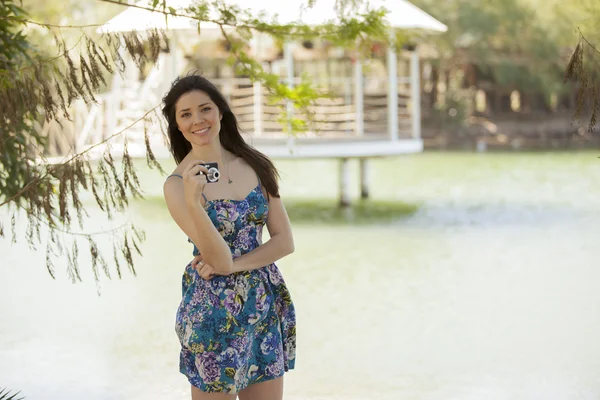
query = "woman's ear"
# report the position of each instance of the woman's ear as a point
(220, 116)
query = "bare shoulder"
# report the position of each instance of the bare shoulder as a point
(242, 165)
(173, 184)
(242, 170)
(175, 179)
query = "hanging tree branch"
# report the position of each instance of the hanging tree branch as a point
(35, 87)
(583, 69)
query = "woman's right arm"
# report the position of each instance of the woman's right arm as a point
(183, 202)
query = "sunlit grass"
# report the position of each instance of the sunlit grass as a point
(319, 211)
(327, 211)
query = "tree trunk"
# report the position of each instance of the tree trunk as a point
(435, 77)
(491, 101)
(505, 106)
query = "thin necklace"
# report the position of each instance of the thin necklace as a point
(228, 176)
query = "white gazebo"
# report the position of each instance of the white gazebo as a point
(402, 15)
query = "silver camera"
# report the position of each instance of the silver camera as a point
(213, 172)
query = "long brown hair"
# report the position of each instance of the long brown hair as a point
(230, 136)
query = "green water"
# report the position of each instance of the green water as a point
(468, 276)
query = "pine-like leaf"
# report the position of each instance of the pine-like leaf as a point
(595, 109)
(49, 264)
(6, 394)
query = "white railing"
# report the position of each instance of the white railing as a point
(335, 117)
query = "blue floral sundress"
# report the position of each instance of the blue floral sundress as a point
(239, 329)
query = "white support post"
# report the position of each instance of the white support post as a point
(85, 126)
(364, 178)
(258, 100)
(349, 99)
(359, 97)
(415, 90)
(289, 64)
(344, 183)
(392, 64)
(258, 109)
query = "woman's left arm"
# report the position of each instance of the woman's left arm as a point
(278, 246)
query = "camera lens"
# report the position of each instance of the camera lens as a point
(213, 175)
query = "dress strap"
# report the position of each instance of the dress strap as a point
(258, 178)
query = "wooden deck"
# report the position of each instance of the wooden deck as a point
(354, 147)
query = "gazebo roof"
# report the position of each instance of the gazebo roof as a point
(402, 14)
(138, 19)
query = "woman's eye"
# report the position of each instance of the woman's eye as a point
(205, 109)
(185, 115)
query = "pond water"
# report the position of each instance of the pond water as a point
(489, 290)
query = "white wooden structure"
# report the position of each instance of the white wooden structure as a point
(129, 98)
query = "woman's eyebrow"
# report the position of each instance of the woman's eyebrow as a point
(187, 109)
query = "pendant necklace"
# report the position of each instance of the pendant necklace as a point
(228, 176)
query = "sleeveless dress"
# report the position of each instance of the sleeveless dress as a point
(239, 329)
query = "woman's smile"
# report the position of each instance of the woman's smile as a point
(201, 131)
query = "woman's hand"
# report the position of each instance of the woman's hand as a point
(194, 180)
(205, 270)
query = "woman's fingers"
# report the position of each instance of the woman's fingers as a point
(196, 166)
(206, 271)
(197, 169)
(192, 164)
(196, 261)
(198, 174)
(200, 267)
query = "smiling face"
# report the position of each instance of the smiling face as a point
(198, 118)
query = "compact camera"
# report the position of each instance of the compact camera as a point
(213, 172)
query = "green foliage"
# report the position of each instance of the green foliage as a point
(584, 66)
(524, 44)
(507, 38)
(15, 120)
(35, 87)
(451, 113)
(586, 74)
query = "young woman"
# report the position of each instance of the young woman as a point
(236, 321)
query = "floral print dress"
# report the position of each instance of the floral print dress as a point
(239, 329)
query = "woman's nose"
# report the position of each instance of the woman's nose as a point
(198, 119)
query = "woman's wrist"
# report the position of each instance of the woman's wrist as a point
(193, 201)
(236, 266)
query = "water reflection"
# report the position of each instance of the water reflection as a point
(488, 290)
